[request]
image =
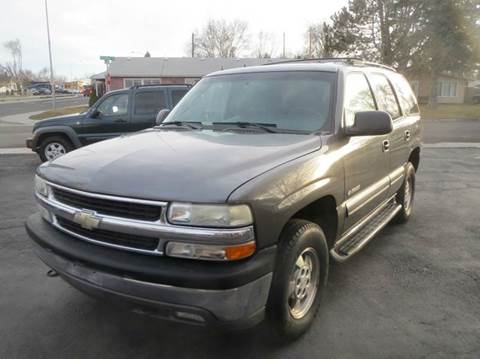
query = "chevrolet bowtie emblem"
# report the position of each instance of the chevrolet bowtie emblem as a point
(87, 219)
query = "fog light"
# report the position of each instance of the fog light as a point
(209, 251)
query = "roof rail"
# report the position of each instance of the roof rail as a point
(159, 85)
(346, 60)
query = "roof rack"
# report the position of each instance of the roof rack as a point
(346, 60)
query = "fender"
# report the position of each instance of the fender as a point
(65, 130)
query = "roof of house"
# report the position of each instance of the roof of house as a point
(99, 76)
(176, 66)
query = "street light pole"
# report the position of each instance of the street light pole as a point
(52, 81)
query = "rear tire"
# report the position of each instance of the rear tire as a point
(299, 279)
(406, 195)
(53, 147)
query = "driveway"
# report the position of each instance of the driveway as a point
(413, 292)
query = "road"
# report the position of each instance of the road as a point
(17, 107)
(14, 132)
(413, 292)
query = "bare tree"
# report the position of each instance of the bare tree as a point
(221, 39)
(315, 41)
(14, 68)
(265, 45)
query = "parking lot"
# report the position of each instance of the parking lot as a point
(413, 292)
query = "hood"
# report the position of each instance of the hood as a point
(58, 120)
(191, 166)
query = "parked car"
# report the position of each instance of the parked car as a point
(41, 91)
(115, 113)
(231, 210)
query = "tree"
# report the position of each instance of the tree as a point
(265, 45)
(14, 68)
(316, 41)
(430, 36)
(147, 54)
(221, 39)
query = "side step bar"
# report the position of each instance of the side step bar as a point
(358, 236)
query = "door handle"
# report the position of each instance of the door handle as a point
(386, 145)
(407, 135)
(119, 121)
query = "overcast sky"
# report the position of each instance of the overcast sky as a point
(81, 31)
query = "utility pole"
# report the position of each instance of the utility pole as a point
(52, 81)
(193, 44)
(283, 45)
(310, 43)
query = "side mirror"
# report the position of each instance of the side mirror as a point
(161, 115)
(370, 123)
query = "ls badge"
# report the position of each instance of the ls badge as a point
(87, 219)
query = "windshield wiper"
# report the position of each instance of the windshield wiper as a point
(193, 125)
(267, 127)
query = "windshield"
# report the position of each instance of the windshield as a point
(288, 100)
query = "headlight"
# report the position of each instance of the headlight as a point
(41, 187)
(210, 215)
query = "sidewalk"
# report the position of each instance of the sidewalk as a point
(21, 119)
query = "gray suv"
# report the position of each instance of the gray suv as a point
(231, 208)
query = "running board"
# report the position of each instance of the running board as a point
(358, 237)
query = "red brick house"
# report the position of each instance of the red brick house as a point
(128, 71)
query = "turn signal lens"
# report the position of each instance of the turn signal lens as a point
(210, 252)
(241, 251)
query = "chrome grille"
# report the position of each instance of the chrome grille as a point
(116, 238)
(132, 210)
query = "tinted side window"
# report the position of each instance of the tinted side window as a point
(384, 95)
(114, 105)
(147, 103)
(177, 96)
(405, 95)
(358, 97)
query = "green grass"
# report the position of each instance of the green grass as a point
(444, 111)
(58, 112)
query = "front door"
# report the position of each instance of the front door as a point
(366, 159)
(110, 118)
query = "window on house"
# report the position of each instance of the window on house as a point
(447, 88)
(384, 95)
(137, 82)
(358, 97)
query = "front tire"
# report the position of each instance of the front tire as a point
(406, 195)
(299, 279)
(53, 147)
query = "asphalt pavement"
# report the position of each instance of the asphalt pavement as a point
(413, 292)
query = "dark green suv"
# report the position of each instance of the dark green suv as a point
(117, 112)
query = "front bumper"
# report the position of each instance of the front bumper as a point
(225, 294)
(29, 143)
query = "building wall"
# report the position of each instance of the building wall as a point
(421, 86)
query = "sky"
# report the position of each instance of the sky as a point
(82, 31)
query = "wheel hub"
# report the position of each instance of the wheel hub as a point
(54, 150)
(304, 283)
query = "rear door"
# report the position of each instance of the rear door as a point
(112, 118)
(366, 159)
(146, 104)
(388, 101)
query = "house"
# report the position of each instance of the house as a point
(125, 72)
(450, 89)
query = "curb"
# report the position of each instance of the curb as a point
(452, 145)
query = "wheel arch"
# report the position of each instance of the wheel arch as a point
(414, 157)
(62, 131)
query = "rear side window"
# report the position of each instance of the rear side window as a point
(405, 95)
(358, 97)
(147, 103)
(177, 96)
(384, 95)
